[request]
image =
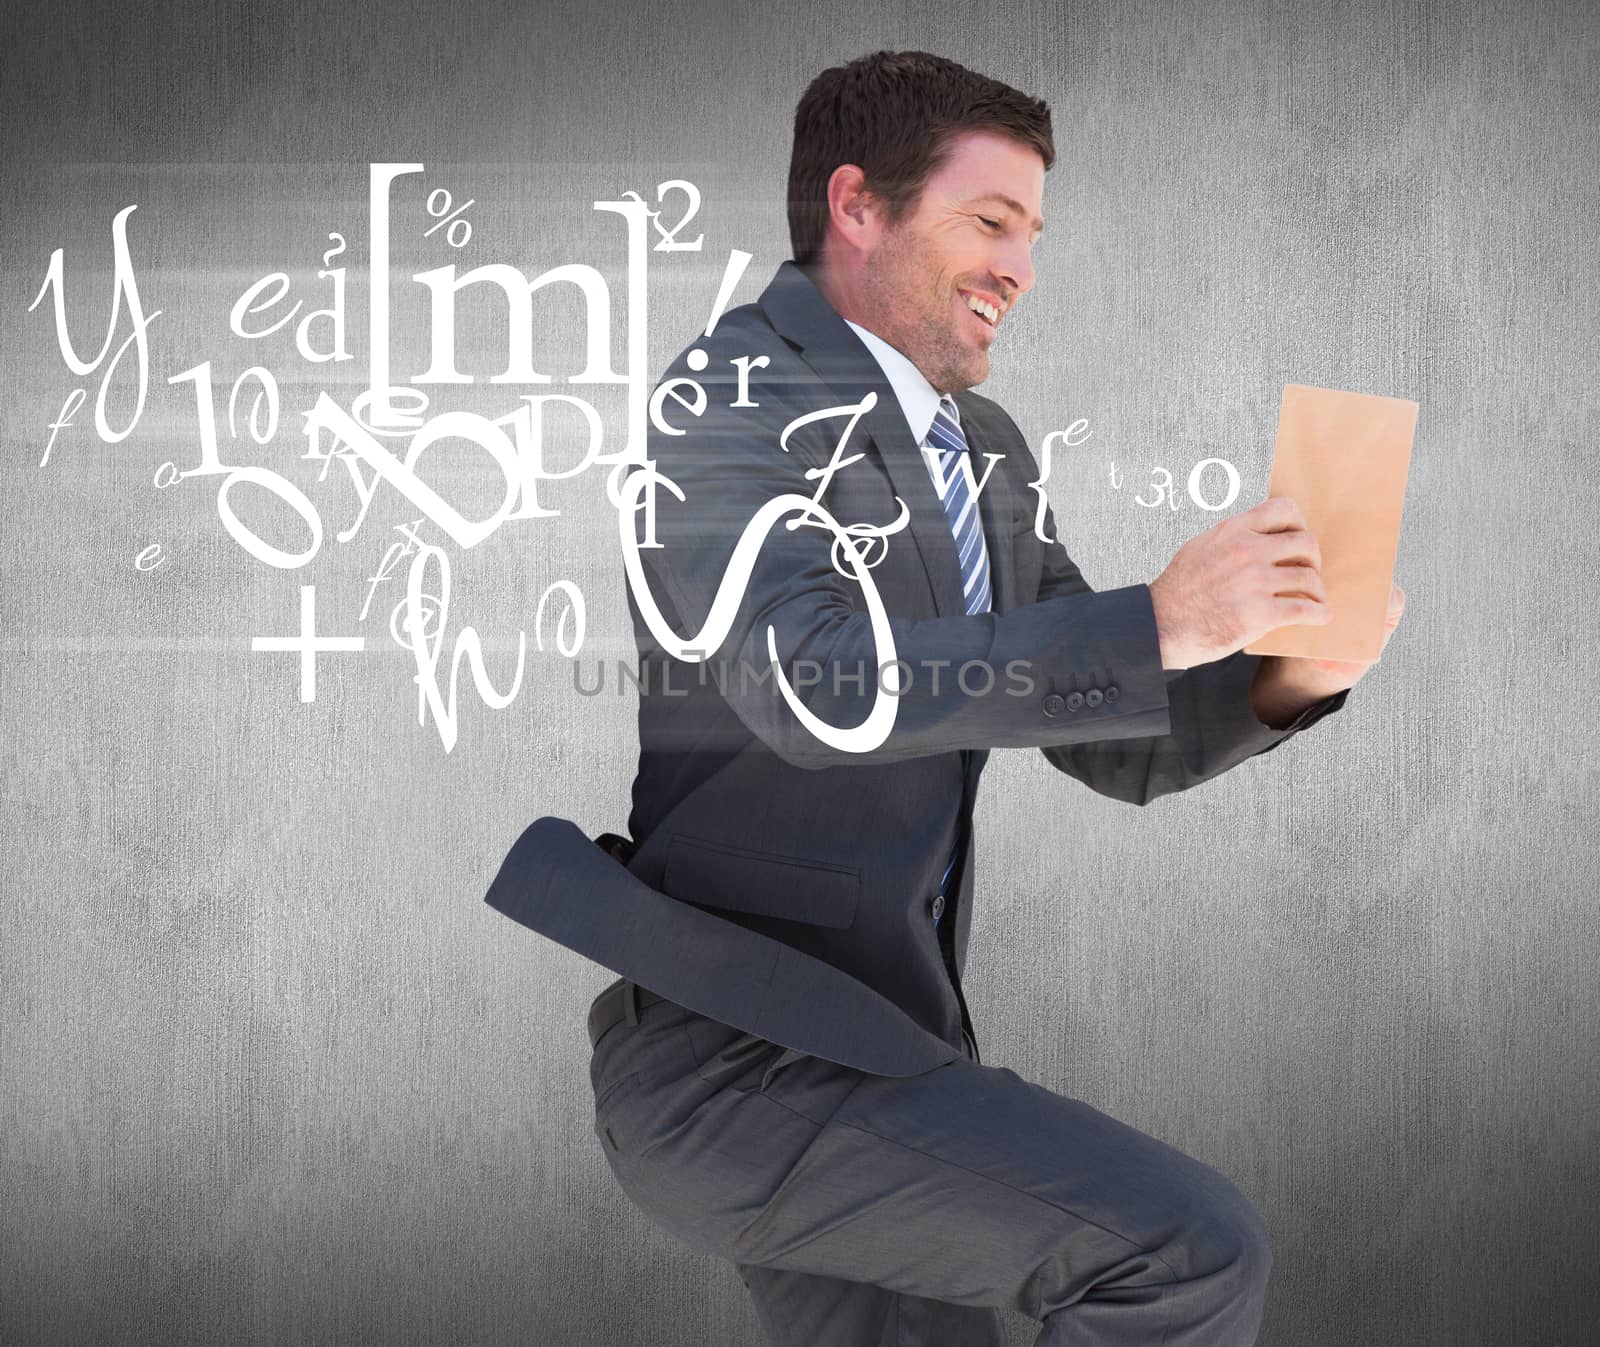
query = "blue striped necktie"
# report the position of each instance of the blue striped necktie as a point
(960, 506)
(961, 510)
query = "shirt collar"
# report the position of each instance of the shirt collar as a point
(919, 400)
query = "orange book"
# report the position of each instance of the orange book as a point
(1343, 458)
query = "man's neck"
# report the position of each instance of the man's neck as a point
(840, 291)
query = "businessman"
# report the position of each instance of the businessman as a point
(786, 1074)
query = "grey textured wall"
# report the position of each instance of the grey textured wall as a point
(272, 1072)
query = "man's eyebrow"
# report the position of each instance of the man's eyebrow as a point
(1012, 203)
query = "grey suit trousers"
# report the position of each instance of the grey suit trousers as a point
(905, 1211)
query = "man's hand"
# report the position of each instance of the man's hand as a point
(1244, 577)
(1286, 684)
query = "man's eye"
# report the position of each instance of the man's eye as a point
(993, 224)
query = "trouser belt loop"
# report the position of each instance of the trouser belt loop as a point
(630, 1002)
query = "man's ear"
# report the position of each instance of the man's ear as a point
(854, 212)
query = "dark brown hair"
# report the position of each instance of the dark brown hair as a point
(895, 114)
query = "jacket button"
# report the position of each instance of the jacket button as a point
(936, 907)
(1054, 704)
(1112, 693)
(1074, 700)
(1094, 697)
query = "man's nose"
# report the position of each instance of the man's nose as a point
(1015, 267)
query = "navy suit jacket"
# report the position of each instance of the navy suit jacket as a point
(787, 887)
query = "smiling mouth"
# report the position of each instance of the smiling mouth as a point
(985, 310)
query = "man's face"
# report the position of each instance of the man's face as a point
(965, 243)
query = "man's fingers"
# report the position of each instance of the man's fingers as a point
(1293, 547)
(1298, 582)
(1275, 514)
(1297, 609)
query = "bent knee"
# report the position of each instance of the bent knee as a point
(1223, 1234)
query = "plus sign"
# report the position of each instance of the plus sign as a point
(307, 643)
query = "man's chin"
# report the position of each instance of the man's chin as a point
(971, 373)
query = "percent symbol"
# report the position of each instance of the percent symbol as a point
(439, 204)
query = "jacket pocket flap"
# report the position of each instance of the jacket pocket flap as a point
(788, 887)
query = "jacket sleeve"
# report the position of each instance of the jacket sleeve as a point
(727, 465)
(1212, 725)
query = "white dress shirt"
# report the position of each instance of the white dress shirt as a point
(919, 400)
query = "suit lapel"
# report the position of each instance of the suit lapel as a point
(797, 309)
